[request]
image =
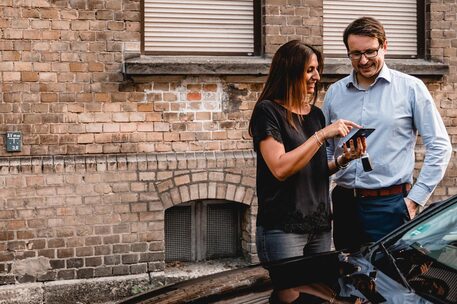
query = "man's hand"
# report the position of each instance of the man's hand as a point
(412, 207)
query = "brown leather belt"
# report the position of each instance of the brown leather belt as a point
(392, 190)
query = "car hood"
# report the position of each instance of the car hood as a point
(350, 275)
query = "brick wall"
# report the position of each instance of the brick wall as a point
(104, 154)
(83, 217)
(292, 19)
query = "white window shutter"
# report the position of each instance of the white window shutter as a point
(199, 26)
(399, 18)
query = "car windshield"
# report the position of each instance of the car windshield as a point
(436, 237)
(425, 256)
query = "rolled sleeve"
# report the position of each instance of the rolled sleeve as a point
(419, 194)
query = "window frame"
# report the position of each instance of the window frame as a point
(257, 32)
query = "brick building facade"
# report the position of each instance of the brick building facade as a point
(112, 139)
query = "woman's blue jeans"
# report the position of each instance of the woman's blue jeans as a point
(273, 245)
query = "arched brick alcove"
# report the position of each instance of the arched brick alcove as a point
(222, 185)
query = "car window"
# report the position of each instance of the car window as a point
(436, 237)
(425, 257)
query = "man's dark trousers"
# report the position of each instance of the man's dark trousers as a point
(359, 220)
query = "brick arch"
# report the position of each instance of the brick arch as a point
(207, 185)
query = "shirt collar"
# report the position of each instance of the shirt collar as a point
(384, 74)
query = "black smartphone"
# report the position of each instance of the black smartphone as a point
(356, 133)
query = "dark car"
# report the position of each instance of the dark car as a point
(417, 263)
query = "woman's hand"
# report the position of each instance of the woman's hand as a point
(352, 152)
(341, 128)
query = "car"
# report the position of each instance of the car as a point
(416, 263)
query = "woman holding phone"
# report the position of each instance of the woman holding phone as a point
(289, 133)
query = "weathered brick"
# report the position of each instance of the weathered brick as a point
(102, 250)
(48, 276)
(121, 270)
(65, 252)
(84, 251)
(121, 248)
(24, 235)
(56, 243)
(139, 247)
(6, 235)
(57, 264)
(138, 268)
(103, 272)
(66, 274)
(6, 256)
(48, 253)
(75, 263)
(26, 279)
(130, 258)
(112, 260)
(93, 240)
(16, 245)
(93, 261)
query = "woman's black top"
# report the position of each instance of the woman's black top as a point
(300, 203)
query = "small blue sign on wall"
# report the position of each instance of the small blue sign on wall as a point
(13, 141)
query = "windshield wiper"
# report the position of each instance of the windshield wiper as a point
(394, 264)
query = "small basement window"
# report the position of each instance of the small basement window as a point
(203, 230)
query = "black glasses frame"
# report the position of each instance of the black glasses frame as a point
(368, 54)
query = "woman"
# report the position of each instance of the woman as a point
(289, 133)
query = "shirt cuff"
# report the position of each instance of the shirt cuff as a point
(419, 195)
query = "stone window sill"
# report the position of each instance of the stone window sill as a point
(416, 67)
(202, 65)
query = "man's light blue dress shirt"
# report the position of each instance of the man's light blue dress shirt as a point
(398, 106)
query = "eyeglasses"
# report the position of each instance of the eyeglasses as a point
(368, 54)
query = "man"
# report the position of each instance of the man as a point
(368, 205)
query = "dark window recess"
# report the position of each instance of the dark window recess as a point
(203, 230)
(223, 231)
(178, 232)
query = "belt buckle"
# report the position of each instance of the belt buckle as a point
(358, 194)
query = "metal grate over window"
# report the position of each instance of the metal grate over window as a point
(178, 234)
(202, 230)
(222, 240)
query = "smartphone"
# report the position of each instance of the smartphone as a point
(354, 134)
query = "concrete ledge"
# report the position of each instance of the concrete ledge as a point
(109, 290)
(416, 67)
(224, 65)
(103, 290)
(32, 293)
(197, 65)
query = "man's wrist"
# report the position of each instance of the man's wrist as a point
(419, 194)
(413, 203)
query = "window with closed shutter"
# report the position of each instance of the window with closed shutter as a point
(399, 17)
(200, 27)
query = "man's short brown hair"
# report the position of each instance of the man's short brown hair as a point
(365, 26)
